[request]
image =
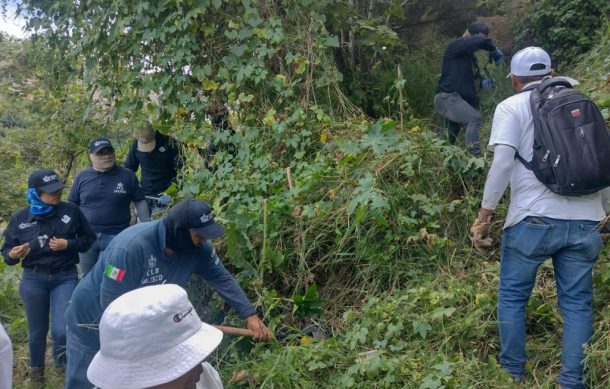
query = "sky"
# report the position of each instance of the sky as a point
(11, 24)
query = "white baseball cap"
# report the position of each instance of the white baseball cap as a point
(531, 61)
(150, 336)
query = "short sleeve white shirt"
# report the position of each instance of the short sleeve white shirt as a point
(513, 126)
(209, 379)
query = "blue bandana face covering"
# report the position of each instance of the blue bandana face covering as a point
(37, 207)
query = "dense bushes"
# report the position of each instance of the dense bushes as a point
(357, 226)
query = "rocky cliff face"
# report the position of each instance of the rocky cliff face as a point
(428, 21)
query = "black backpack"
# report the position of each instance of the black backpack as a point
(571, 140)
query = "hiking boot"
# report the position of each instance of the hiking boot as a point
(36, 376)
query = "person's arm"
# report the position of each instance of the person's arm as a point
(73, 196)
(84, 235)
(139, 201)
(216, 275)
(469, 45)
(606, 200)
(142, 211)
(498, 176)
(12, 249)
(213, 271)
(131, 162)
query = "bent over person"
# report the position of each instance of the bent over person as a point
(169, 250)
(46, 238)
(104, 192)
(540, 224)
(456, 100)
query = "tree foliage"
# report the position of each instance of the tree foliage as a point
(177, 59)
(565, 28)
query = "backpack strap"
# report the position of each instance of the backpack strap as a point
(551, 82)
(527, 165)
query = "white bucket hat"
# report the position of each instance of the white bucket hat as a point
(531, 61)
(150, 336)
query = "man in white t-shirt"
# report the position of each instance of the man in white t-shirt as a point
(540, 224)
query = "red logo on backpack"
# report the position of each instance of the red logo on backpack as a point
(575, 113)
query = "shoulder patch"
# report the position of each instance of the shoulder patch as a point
(114, 273)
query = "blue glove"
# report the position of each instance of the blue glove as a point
(488, 83)
(496, 56)
(164, 200)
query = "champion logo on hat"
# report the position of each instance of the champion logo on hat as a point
(179, 316)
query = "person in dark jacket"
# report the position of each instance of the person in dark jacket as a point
(158, 156)
(456, 100)
(46, 238)
(169, 250)
(104, 192)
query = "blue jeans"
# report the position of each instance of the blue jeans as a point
(453, 107)
(573, 246)
(89, 258)
(41, 293)
(80, 354)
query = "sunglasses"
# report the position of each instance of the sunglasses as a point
(104, 152)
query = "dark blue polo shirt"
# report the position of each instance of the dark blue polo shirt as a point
(105, 197)
(159, 167)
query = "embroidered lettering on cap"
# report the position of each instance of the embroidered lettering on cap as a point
(49, 178)
(178, 317)
(206, 217)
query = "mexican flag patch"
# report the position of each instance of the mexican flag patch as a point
(114, 273)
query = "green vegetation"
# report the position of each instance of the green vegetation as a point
(566, 28)
(343, 210)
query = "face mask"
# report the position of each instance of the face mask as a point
(103, 163)
(37, 207)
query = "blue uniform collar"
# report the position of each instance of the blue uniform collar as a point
(112, 171)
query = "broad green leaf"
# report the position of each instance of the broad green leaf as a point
(209, 84)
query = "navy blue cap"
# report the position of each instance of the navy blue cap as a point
(45, 180)
(98, 144)
(199, 218)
